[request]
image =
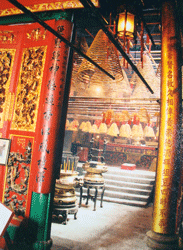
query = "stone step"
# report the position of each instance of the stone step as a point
(131, 190)
(130, 187)
(125, 201)
(146, 186)
(133, 173)
(125, 195)
(136, 179)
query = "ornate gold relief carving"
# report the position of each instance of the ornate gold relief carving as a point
(6, 65)
(8, 110)
(7, 37)
(17, 179)
(28, 90)
(37, 34)
(47, 6)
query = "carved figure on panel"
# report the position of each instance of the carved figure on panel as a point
(17, 180)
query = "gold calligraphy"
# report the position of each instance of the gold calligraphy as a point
(169, 142)
(37, 34)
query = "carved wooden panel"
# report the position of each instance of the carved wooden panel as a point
(6, 65)
(46, 5)
(29, 88)
(18, 173)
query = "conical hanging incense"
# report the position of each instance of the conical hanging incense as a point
(158, 71)
(77, 60)
(90, 81)
(149, 75)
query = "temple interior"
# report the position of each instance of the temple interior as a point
(91, 124)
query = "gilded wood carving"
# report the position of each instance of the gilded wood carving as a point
(52, 5)
(17, 178)
(6, 65)
(28, 90)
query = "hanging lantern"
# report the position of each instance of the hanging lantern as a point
(126, 25)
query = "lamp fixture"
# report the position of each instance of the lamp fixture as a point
(125, 27)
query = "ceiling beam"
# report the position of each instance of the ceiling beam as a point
(54, 32)
(103, 24)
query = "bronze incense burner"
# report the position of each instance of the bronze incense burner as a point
(65, 201)
(94, 172)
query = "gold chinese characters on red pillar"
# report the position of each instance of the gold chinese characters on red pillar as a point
(168, 169)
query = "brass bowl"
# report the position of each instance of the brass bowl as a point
(60, 188)
(60, 200)
(93, 178)
(99, 168)
(67, 177)
(64, 194)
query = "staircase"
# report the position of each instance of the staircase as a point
(130, 187)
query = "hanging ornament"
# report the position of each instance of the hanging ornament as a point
(109, 116)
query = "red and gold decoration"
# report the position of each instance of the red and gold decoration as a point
(32, 68)
(33, 65)
(6, 65)
(8, 9)
(49, 115)
(117, 154)
(29, 88)
(18, 175)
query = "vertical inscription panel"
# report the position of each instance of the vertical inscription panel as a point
(169, 159)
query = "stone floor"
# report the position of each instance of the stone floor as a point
(112, 227)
